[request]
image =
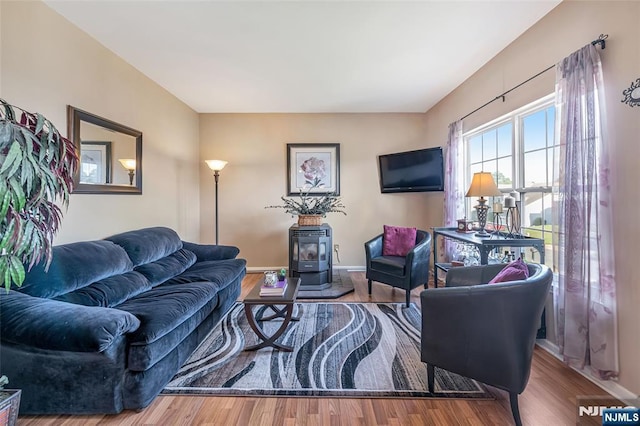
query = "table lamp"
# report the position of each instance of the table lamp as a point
(482, 185)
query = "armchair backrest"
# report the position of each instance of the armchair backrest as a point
(486, 332)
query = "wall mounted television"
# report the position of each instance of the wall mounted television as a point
(412, 171)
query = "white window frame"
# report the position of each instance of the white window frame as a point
(517, 152)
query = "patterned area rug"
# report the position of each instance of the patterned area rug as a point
(340, 350)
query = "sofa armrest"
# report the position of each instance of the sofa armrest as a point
(373, 248)
(206, 252)
(54, 325)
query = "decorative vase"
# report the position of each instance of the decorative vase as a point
(310, 220)
(9, 405)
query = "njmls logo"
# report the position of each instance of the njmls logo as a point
(606, 410)
(593, 410)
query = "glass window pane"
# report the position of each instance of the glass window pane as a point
(505, 136)
(490, 166)
(551, 126)
(553, 158)
(504, 176)
(474, 168)
(535, 169)
(489, 149)
(475, 149)
(550, 153)
(534, 131)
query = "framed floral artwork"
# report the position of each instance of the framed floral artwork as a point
(313, 165)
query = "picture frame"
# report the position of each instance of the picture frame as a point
(313, 164)
(96, 162)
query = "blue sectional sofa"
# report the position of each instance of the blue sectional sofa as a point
(112, 320)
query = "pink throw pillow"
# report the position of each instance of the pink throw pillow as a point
(514, 271)
(398, 240)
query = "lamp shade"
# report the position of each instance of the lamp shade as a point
(216, 165)
(128, 163)
(483, 185)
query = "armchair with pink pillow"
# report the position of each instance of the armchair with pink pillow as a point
(399, 257)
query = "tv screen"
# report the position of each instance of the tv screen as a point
(412, 171)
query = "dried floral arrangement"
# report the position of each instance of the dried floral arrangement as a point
(307, 204)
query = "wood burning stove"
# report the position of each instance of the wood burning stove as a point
(310, 256)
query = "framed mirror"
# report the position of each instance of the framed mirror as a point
(110, 154)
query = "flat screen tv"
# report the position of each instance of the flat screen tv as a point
(412, 171)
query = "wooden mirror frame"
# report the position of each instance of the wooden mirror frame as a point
(74, 117)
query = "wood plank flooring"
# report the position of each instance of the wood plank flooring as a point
(549, 398)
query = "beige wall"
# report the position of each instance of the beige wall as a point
(567, 28)
(255, 146)
(47, 64)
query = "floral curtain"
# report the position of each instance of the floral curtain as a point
(586, 293)
(454, 200)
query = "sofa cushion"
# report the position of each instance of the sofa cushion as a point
(149, 244)
(141, 357)
(163, 308)
(167, 267)
(74, 266)
(220, 272)
(390, 264)
(108, 292)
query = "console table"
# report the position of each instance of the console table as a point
(484, 245)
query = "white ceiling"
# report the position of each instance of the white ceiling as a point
(306, 56)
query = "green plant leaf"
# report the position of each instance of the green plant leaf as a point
(39, 123)
(16, 269)
(4, 207)
(19, 199)
(4, 266)
(14, 155)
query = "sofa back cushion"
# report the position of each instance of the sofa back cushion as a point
(148, 245)
(75, 266)
(108, 292)
(167, 267)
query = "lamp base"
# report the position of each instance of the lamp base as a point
(482, 234)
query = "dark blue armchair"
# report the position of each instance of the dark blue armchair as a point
(405, 272)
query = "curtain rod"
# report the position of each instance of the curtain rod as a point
(599, 41)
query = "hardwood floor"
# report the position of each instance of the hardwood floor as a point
(549, 399)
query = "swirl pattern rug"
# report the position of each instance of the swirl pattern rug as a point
(340, 350)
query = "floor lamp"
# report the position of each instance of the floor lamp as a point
(216, 166)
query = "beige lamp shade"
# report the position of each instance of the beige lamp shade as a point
(128, 163)
(216, 165)
(483, 185)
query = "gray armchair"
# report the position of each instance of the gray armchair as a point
(406, 272)
(484, 332)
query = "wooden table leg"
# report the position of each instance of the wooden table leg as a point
(269, 340)
(279, 313)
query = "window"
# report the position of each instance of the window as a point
(518, 150)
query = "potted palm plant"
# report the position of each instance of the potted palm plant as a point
(36, 171)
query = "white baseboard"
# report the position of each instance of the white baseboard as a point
(610, 386)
